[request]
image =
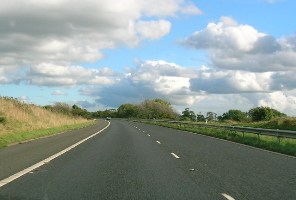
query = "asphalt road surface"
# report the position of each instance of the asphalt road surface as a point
(131, 160)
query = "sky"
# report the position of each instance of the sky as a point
(209, 56)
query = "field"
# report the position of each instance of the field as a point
(21, 122)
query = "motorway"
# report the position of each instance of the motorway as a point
(131, 160)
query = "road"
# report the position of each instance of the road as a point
(130, 160)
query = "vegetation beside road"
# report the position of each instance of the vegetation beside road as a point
(23, 136)
(284, 123)
(284, 145)
(20, 121)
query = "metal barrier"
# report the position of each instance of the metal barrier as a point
(258, 131)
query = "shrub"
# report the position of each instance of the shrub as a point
(235, 115)
(264, 114)
(2, 119)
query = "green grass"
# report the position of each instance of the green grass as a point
(284, 145)
(20, 137)
(281, 123)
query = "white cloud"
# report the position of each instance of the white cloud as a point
(166, 8)
(59, 93)
(153, 29)
(228, 21)
(241, 47)
(24, 99)
(219, 103)
(10, 74)
(169, 84)
(67, 31)
(191, 9)
(283, 81)
(279, 100)
(217, 81)
(47, 74)
(225, 35)
(150, 79)
(231, 82)
(202, 89)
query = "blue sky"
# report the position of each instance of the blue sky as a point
(206, 55)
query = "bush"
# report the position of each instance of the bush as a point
(63, 108)
(235, 115)
(264, 114)
(2, 119)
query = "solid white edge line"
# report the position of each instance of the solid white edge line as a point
(227, 196)
(175, 155)
(45, 161)
(158, 142)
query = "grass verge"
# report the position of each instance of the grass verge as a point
(20, 137)
(284, 145)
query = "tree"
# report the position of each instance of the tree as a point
(106, 113)
(187, 115)
(77, 111)
(211, 116)
(127, 111)
(149, 109)
(157, 108)
(61, 107)
(264, 113)
(235, 115)
(200, 118)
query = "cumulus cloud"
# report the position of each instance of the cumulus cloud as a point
(166, 8)
(46, 74)
(191, 9)
(253, 66)
(284, 81)
(67, 31)
(284, 101)
(150, 79)
(231, 82)
(241, 47)
(59, 93)
(9, 74)
(216, 81)
(153, 29)
(205, 87)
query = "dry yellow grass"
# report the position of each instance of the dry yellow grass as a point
(23, 117)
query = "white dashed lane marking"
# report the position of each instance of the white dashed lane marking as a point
(176, 156)
(227, 196)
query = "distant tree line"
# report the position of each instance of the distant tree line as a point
(149, 109)
(66, 109)
(254, 114)
(162, 109)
